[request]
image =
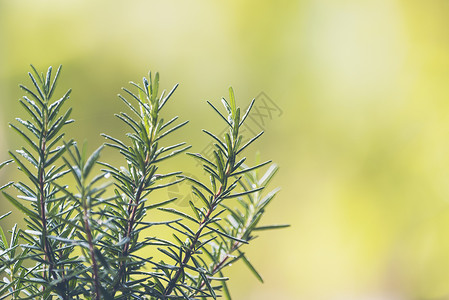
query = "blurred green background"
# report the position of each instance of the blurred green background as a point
(362, 140)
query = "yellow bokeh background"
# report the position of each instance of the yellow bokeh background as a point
(362, 140)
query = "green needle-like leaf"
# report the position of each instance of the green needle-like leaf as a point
(270, 227)
(232, 100)
(5, 163)
(250, 267)
(91, 161)
(179, 213)
(21, 207)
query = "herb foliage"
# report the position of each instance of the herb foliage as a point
(86, 241)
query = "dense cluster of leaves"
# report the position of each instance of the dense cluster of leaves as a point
(85, 241)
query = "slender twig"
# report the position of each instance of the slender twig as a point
(131, 221)
(42, 180)
(136, 201)
(191, 249)
(218, 265)
(86, 218)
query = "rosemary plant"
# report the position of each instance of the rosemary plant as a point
(87, 241)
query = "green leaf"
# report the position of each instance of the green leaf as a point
(220, 166)
(54, 108)
(74, 170)
(216, 138)
(205, 279)
(129, 105)
(227, 235)
(227, 107)
(5, 163)
(36, 85)
(232, 100)
(28, 156)
(20, 206)
(155, 86)
(250, 266)
(179, 213)
(200, 195)
(32, 113)
(219, 113)
(147, 84)
(239, 163)
(55, 141)
(27, 139)
(170, 254)
(53, 86)
(91, 161)
(199, 183)
(115, 140)
(59, 152)
(143, 105)
(25, 169)
(267, 199)
(249, 142)
(4, 241)
(172, 129)
(63, 240)
(244, 193)
(270, 227)
(244, 170)
(266, 178)
(228, 143)
(236, 121)
(195, 211)
(5, 215)
(30, 126)
(167, 184)
(36, 73)
(161, 203)
(227, 294)
(173, 153)
(33, 95)
(104, 262)
(162, 102)
(168, 123)
(201, 158)
(247, 112)
(47, 80)
(59, 123)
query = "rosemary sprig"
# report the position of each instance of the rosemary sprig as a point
(80, 244)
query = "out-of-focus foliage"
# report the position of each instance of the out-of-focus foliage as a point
(362, 139)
